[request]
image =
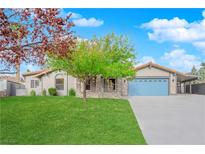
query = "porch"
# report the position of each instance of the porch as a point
(100, 87)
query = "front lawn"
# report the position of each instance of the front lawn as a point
(64, 120)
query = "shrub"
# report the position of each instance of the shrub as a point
(52, 91)
(44, 92)
(33, 93)
(72, 92)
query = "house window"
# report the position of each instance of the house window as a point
(34, 83)
(60, 84)
(110, 85)
(87, 87)
(91, 84)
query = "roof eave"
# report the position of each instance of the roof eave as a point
(150, 64)
(43, 73)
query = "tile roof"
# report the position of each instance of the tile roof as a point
(150, 64)
(38, 73)
(33, 73)
(43, 73)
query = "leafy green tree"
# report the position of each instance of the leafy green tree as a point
(194, 71)
(201, 72)
(203, 64)
(108, 56)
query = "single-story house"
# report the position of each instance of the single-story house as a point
(156, 80)
(151, 80)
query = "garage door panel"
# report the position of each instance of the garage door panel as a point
(148, 87)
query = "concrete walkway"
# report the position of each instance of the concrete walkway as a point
(172, 120)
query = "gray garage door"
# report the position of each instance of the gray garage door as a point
(148, 87)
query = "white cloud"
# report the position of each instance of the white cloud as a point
(175, 30)
(203, 13)
(165, 23)
(145, 60)
(91, 22)
(78, 19)
(200, 46)
(180, 60)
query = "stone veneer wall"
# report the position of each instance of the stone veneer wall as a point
(124, 87)
(100, 93)
(172, 84)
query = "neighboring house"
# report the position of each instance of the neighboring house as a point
(151, 80)
(9, 86)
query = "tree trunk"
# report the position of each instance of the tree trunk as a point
(84, 90)
(18, 78)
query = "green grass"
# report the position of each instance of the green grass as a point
(65, 120)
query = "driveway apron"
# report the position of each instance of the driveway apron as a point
(178, 119)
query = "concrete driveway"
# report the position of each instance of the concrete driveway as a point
(176, 119)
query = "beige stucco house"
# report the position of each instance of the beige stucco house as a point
(151, 80)
(45, 79)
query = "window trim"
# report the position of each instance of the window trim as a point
(34, 83)
(61, 84)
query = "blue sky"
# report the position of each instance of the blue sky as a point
(174, 38)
